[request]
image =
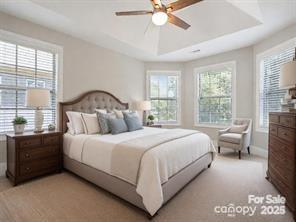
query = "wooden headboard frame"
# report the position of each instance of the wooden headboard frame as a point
(87, 103)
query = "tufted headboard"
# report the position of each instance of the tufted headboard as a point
(87, 103)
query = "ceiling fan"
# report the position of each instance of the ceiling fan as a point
(162, 14)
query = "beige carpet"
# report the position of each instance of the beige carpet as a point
(65, 197)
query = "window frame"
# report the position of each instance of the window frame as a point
(25, 41)
(177, 73)
(259, 57)
(196, 73)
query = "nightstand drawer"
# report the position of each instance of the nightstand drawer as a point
(38, 153)
(39, 166)
(51, 140)
(30, 142)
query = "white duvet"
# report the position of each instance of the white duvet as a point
(157, 165)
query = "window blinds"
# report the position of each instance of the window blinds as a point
(270, 94)
(21, 68)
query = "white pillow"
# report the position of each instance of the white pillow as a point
(101, 111)
(237, 128)
(70, 128)
(90, 123)
(75, 121)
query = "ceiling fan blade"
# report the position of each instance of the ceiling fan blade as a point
(156, 3)
(133, 13)
(178, 22)
(174, 6)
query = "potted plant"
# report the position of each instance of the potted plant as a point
(150, 118)
(19, 123)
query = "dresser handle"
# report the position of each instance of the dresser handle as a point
(27, 168)
(27, 155)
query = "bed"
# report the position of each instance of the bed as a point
(110, 161)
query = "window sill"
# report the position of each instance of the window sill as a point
(211, 126)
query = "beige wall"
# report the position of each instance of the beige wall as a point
(245, 82)
(85, 66)
(244, 91)
(260, 139)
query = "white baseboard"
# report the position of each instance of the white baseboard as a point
(2, 169)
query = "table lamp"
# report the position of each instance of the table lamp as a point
(144, 106)
(38, 99)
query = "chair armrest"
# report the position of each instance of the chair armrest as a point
(223, 131)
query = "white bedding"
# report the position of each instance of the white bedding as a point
(157, 165)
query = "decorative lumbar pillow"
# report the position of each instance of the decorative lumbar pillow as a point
(132, 121)
(237, 128)
(117, 125)
(75, 121)
(90, 123)
(103, 121)
(118, 113)
(101, 110)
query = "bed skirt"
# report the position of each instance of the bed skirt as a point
(126, 190)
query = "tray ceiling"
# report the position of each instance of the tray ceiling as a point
(216, 25)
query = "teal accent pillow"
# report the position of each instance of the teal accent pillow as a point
(132, 121)
(117, 125)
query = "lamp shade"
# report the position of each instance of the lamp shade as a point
(38, 97)
(143, 105)
(288, 75)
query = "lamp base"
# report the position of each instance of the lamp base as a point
(38, 120)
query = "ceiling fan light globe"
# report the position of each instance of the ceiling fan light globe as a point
(159, 18)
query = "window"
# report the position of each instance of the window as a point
(23, 67)
(31, 83)
(269, 94)
(163, 89)
(214, 97)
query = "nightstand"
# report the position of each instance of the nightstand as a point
(33, 154)
(155, 126)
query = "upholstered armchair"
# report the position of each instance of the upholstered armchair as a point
(236, 137)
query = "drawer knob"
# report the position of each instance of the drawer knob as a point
(27, 155)
(27, 168)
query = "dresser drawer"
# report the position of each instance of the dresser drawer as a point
(38, 166)
(279, 146)
(286, 174)
(51, 140)
(282, 158)
(273, 129)
(38, 153)
(287, 134)
(30, 142)
(288, 193)
(287, 121)
(274, 118)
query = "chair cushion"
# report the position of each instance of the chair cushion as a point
(237, 128)
(231, 138)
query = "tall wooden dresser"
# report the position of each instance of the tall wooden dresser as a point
(282, 155)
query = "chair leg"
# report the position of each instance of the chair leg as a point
(249, 150)
(239, 154)
(218, 149)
